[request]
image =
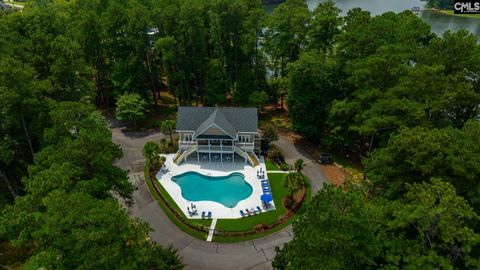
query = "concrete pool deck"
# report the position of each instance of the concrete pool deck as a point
(214, 169)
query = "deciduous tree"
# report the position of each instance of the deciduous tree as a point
(130, 107)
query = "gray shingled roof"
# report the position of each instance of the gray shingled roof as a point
(230, 119)
(217, 118)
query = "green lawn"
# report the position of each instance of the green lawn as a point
(271, 166)
(278, 191)
(247, 223)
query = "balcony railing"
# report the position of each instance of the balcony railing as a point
(215, 148)
(183, 145)
(245, 146)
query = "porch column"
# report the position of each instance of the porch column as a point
(198, 156)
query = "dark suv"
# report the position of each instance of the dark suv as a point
(325, 158)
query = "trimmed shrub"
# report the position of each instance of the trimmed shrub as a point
(284, 167)
(275, 154)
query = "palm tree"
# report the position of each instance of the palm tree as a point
(294, 182)
(299, 164)
(168, 126)
(151, 152)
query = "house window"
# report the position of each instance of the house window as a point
(244, 138)
(187, 137)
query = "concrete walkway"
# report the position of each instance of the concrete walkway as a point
(272, 171)
(196, 254)
(211, 231)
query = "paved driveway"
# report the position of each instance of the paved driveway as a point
(312, 169)
(197, 254)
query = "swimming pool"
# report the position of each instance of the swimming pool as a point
(227, 190)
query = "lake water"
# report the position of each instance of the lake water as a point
(438, 22)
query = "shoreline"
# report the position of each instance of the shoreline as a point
(449, 12)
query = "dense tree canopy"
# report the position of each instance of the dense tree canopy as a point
(444, 4)
(383, 87)
(311, 89)
(56, 152)
(429, 228)
(417, 154)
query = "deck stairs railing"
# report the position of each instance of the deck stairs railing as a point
(253, 160)
(181, 154)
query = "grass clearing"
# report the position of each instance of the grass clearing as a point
(356, 170)
(271, 166)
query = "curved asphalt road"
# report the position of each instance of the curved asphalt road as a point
(198, 254)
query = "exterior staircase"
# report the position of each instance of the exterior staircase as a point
(182, 154)
(251, 157)
(255, 162)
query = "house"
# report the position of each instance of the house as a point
(217, 134)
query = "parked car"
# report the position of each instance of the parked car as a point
(325, 158)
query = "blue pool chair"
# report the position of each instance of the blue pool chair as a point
(209, 214)
(242, 213)
(259, 209)
(203, 214)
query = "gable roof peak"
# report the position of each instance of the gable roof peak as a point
(218, 119)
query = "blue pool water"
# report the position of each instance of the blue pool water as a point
(227, 190)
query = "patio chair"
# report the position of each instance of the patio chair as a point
(248, 211)
(259, 209)
(203, 214)
(209, 214)
(242, 213)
